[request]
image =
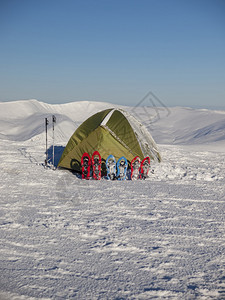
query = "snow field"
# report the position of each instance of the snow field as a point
(67, 238)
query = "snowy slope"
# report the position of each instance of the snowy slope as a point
(22, 120)
(65, 238)
(180, 125)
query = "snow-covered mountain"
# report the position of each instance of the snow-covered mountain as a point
(22, 120)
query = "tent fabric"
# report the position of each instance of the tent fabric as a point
(111, 131)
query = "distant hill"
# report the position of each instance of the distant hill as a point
(24, 119)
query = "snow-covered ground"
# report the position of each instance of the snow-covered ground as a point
(65, 238)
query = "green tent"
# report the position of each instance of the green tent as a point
(111, 131)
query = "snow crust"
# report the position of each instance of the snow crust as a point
(65, 238)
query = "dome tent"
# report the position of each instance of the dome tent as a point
(111, 131)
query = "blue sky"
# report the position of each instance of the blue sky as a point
(114, 51)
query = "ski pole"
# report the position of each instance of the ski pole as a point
(53, 137)
(46, 131)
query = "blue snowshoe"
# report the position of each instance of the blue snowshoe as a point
(122, 165)
(111, 167)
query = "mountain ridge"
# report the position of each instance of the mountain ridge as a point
(24, 119)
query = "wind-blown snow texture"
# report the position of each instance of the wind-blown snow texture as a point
(66, 238)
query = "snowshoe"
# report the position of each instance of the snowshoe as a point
(122, 165)
(111, 167)
(135, 168)
(86, 166)
(145, 165)
(96, 165)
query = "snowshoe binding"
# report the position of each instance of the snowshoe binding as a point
(135, 168)
(86, 166)
(96, 165)
(122, 168)
(145, 165)
(111, 167)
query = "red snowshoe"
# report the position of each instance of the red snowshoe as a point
(135, 168)
(96, 165)
(86, 166)
(145, 165)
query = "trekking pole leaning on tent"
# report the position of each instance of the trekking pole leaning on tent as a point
(53, 139)
(46, 132)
